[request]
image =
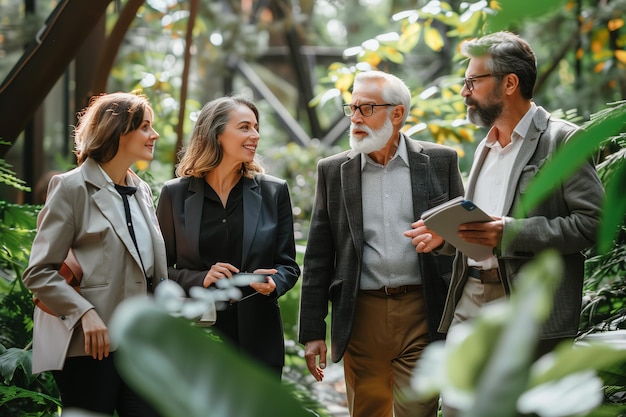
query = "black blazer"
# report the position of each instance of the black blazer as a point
(268, 242)
(332, 261)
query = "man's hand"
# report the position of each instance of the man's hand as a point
(424, 239)
(312, 350)
(485, 233)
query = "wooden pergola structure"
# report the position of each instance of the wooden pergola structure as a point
(75, 33)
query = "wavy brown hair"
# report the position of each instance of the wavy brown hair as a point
(102, 123)
(203, 152)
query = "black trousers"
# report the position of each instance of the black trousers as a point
(95, 385)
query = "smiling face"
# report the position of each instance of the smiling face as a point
(240, 137)
(138, 145)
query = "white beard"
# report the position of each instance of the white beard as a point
(375, 139)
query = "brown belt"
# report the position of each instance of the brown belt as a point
(403, 289)
(486, 276)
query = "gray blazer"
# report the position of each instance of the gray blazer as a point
(81, 214)
(332, 262)
(566, 221)
(268, 242)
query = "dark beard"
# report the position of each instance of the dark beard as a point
(483, 115)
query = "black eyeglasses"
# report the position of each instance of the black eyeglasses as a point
(366, 109)
(469, 81)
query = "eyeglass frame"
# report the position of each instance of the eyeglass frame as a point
(469, 81)
(348, 108)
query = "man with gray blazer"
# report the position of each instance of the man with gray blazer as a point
(499, 83)
(386, 300)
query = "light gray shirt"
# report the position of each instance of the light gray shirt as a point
(389, 257)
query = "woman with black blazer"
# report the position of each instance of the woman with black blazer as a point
(223, 216)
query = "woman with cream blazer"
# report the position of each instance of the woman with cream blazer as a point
(87, 219)
(104, 213)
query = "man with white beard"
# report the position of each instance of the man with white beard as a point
(387, 300)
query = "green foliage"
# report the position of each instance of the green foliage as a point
(16, 235)
(438, 112)
(16, 310)
(604, 305)
(209, 376)
(10, 396)
(299, 167)
(514, 12)
(602, 128)
(7, 177)
(486, 367)
(21, 392)
(422, 50)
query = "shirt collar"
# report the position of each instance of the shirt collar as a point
(401, 152)
(110, 183)
(519, 132)
(524, 124)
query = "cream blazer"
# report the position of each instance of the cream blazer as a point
(81, 213)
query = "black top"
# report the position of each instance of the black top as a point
(221, 233)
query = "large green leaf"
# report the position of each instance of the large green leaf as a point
(14, 358)
(11, 393)
(576, 152)
(614, 208)
(515, 11)
(183, 372)
(505, 376)
(567, 361)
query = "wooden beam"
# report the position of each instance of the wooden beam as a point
(298, 134)
(44, 61)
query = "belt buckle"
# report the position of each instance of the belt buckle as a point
(402, 289)
(486, 276)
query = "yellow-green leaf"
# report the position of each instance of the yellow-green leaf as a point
(433, 39)
(621, 56)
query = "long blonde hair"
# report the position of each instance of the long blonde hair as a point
(102, 123)
(203, 152)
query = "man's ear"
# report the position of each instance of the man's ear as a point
(398, 114)
(510, 83)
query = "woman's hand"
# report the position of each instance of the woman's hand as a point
(97, 342)
(267, 287)
(219, 271)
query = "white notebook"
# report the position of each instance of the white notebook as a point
(446, 218)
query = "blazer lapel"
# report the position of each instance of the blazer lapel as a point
(527, 150)
(252, 202)
(109, 206)
(420, 177)
(479, 160)
(193, 215)
(353, 201)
